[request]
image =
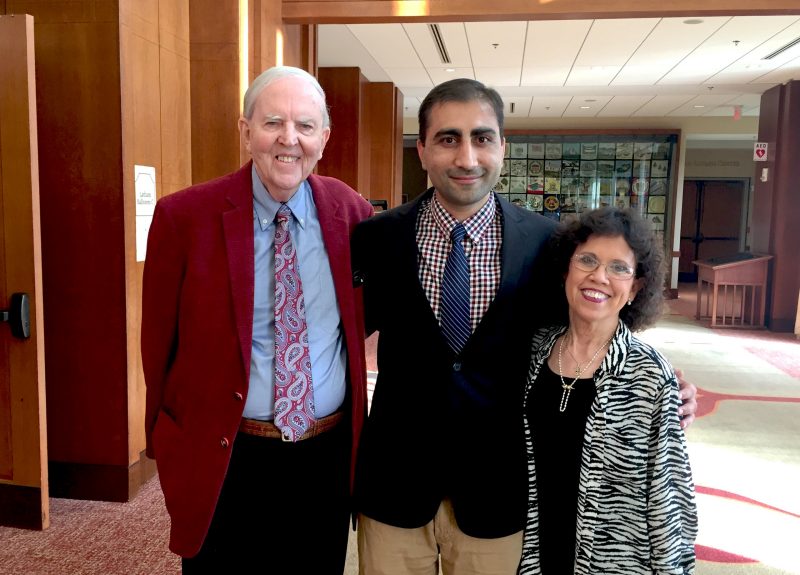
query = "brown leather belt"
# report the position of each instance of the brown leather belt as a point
(267, 428)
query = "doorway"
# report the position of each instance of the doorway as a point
(713, 222)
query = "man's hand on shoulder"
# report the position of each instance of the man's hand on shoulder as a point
(688, 395)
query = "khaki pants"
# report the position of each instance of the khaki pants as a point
(387, 550)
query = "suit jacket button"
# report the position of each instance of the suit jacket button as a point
(457, 366)
(224, 443)
(238, 396)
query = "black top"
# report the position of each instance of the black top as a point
(557, 446)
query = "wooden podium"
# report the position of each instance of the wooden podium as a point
(735, 288)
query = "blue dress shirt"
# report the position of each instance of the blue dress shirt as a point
(325, 336)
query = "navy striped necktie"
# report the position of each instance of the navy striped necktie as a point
(454, 305)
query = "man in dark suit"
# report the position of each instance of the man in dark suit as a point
(441, 471)
(253, 347)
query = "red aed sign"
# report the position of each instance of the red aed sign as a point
(760, 151)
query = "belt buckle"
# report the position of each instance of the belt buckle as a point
(285, 437)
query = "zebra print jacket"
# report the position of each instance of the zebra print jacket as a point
(636, 507)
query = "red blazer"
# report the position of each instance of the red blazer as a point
(197, 324)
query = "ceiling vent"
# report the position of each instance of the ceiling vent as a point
(782, 49)
(439, 41)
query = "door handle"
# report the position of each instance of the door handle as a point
(18, 315)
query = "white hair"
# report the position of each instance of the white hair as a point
(276, 73)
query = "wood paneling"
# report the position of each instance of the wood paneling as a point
(776, 204)
(83, 231)
(113, 90)
(156, 120)
(65, 11)
(384, 120)
(341, 11)
(346, 155)
(769, 123)
(215, 101)
(23, 429)
(365, 148)
(298, 45)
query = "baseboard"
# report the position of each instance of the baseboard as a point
(781, 325)
(99, 482)
(21, 506)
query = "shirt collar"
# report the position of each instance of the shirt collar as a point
(475, 225)
(265, 206)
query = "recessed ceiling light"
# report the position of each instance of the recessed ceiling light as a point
(699, 106)
(693, 21)
(449, 69)
(586, 107)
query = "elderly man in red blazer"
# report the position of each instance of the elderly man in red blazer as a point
(256, 474)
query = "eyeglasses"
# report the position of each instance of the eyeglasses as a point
(616, 269)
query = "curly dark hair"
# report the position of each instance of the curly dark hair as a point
(612, 222)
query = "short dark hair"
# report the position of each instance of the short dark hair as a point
(459, 90)
(613, 222)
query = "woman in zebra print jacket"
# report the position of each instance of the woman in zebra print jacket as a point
(610, 487)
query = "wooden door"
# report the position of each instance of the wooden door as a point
(23, 433)
(711, 222)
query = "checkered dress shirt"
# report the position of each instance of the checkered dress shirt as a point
(482, 247)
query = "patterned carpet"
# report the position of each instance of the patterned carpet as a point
(744, 446)
(744, 449)
(93, 538)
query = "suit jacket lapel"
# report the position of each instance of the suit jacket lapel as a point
(406, 260)
(336, 236)
(513, 251)
(237, 222)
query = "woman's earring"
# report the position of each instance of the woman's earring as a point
(630, 301)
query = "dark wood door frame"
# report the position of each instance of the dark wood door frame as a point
(697, 237)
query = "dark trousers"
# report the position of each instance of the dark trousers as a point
(262, 525)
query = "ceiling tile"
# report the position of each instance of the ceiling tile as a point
(348, 52)
(666, 45)
(544, 75)
(439, 75)
(703, 104)
(522, 107)
(411, 106)
(624, 106)
(388, 44)
(746, 100)
(663, 104)
(549, 106)
(497, 77)
(611, 42)
(509, 38)
(554, 43)
(753, 65)
(417, 77)
(640, 67)
(592, 75)
(788, 71)
(736, 38)
(454, 36)
(586, 106)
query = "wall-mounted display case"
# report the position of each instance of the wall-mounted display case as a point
(561, 174)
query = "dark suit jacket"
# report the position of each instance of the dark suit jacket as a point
(197, 324)
(443, 425)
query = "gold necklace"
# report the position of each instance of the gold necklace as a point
(567, 388)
